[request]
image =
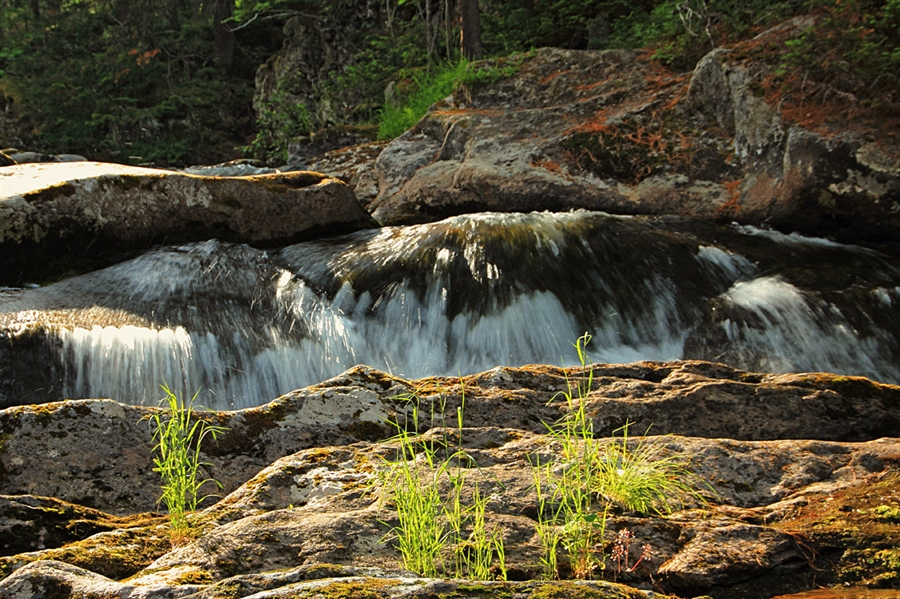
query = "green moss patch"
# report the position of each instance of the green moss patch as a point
(849, 535)
(116, 555)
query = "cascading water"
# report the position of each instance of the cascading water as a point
(463, 295)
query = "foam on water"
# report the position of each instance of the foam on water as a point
(776, 328)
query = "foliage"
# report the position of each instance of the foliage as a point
(424, 87)
(124, 81)
(575, 496)
(427, 521)
(851, 57)
(517, 26)
(138, 81)
(280, 119)
(177, 458)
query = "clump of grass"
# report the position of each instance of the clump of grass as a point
(575, 495)
(566, 491)
(435, 83)
(429, 523)
(648, 478)
(413, 489)
(177, 459)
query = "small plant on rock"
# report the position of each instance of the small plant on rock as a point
(645, 478)
(568, 514)
(621, 553)
(577, 492)
(177, 459)
(430, 523)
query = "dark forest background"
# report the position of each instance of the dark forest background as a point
(171, 82)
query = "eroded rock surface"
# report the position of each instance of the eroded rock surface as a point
(54, 213)
(778, 509)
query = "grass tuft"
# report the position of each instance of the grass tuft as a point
(648, 478)
(576, 494)
(177, 460)
(431, 524)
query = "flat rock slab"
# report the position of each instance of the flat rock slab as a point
(96, 452)
(305, 501)
(821, 511)
(52, 214)
(53, 578)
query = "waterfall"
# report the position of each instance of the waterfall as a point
(243, 325)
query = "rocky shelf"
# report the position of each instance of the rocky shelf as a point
(799, 473)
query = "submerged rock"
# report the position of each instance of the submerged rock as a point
(54, 215)
(246, 324)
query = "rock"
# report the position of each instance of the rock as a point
(302, 150)
(11, 156)
(354, 165)
(58, 441)
(304, 477)
(29, 523)
(302, 72)
(117, 554)
(31, 157)
(90, 439)
(94, 211)
(793, 177)
(498, 149)
(59, 579)
(613, 131)
(721, 552)
(50, 578)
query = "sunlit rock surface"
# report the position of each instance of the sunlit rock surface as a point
(779, 509)
(58, 217)
(613, 130)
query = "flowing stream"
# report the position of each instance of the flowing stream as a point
(469, 293)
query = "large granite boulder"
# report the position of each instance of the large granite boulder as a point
(614, 131)
(307, 512)
(54, 214)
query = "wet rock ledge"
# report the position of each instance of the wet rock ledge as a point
(800, 477)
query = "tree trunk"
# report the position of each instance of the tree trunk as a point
(470, 31)
(224, 36)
